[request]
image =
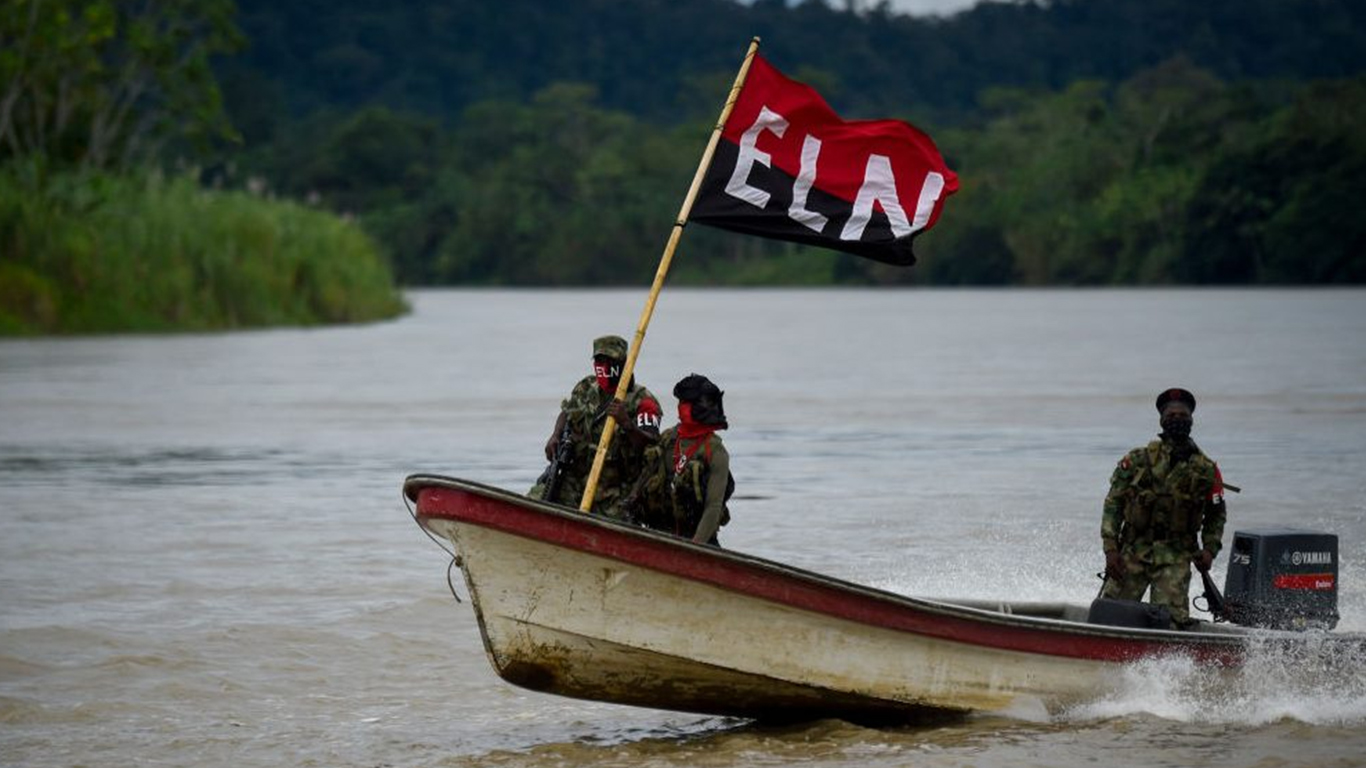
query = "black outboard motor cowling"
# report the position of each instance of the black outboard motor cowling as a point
(1283, 578)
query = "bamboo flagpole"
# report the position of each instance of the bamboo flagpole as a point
(608, 427)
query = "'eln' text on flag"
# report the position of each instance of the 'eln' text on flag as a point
(788, 167)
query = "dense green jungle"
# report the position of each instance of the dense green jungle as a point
(322, 152)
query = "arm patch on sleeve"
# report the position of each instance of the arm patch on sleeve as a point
(648, 414)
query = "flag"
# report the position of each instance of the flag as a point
(787, 167)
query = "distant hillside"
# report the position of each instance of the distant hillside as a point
(1097, 142)
(660, 59)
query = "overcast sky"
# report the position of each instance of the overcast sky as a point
(917, 7)
(921, 7)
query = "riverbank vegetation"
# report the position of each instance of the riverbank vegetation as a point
(343, 146)
(96, 97)
(1170, 177)
(101, 252)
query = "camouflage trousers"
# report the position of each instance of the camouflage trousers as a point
(1170, 586)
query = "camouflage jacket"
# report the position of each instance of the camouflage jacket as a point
(685, 494)
(1157, 505)
(586, 411)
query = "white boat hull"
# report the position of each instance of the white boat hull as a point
(580, 606)
(583, 625)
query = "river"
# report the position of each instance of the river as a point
(205, 560)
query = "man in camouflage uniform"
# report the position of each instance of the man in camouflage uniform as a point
(1162, 495)
(585, 412)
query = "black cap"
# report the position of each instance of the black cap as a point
(705, 398)
(1178, 394)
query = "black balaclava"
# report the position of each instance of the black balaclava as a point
(1176, 425)
(705, 398)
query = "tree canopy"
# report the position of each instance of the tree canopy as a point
(104, 83)
(657, 59)
(1097, 141)
(97, 97)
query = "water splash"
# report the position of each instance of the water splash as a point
(1318, 681)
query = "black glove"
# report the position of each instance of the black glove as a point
(1203, 560)
(1114, 565)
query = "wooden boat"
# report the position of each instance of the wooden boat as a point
(582, 606)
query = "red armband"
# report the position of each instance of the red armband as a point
(648, 415)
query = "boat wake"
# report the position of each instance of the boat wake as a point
(1314, 683)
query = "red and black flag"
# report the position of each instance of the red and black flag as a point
(787, 167)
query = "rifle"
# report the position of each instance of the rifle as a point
(1214, 599)
(553, 476)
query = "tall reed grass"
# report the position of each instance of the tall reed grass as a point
(82, 253)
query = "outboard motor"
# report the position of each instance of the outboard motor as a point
(1283, 578)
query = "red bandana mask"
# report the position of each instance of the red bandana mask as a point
(689, 428)
(607, 375)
